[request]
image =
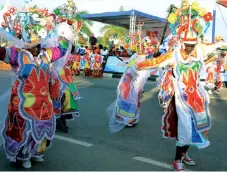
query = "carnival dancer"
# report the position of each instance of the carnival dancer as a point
(87, 65)
(214, 70)
(69, 96)
(210, 79)
(30, 142)
(187, 118)
(166, 80)
(76, 64)
(166, 88)
(125, 110)
(69, 93)
(30, 123)
(97, 66)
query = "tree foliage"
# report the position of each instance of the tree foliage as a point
(114, 32)
(85, 30)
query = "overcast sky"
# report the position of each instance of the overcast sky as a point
(153, 7)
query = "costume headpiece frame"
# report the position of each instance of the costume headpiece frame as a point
(190, 21)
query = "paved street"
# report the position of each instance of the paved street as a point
(90, 146)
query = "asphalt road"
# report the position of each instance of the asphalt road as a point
(90, 146)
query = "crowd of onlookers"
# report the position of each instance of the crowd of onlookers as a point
(94, 50)
(112, 51)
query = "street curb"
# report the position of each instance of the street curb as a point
(107, 75)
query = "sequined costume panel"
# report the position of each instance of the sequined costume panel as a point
(31, 118)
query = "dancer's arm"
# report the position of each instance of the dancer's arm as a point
(161, 61)
(207, 49)
(212, 59)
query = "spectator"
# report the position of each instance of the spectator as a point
(93, 41)
(124, 52)
(111, 45)
(81, 50)
(100, 46)
(117, 52)
(112, 50)
(104, 53)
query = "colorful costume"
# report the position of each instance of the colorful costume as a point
(166, 88)
(214, 72)
(30, 123)
(76, 65)
(125, 110)
(97, 66)
(68, 90)
(187, 118)
(210, 79)
(87, 65)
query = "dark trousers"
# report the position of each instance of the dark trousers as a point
(104, 62)
(180, 151)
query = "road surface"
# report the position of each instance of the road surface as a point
(90, 146)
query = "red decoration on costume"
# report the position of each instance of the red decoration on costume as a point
(184, 26)
(125, 86)
(16, 124)
(44, 12)
(98, 58)
(79, 25)
(208, 17)
(193, 98)
(76, 58)
(194, 25)
(42, 109)
(169, 126)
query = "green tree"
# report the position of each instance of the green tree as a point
(86, 30)
(100, 40)
(111, 31)
(82, 40)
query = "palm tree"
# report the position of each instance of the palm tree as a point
(86, 25)
(82, 40)
(111, 31)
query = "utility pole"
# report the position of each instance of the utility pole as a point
(214, 20)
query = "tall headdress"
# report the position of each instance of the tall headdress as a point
(29, 24)
(190, 21)
(69, 13)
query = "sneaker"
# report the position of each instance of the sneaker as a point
(187, 160)
(37, 159)
(216, 92)
(178, 166)
(27, 164)
(210, 92)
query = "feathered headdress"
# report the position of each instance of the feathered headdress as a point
(30, 25)
(69, 13)
(192, 21)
